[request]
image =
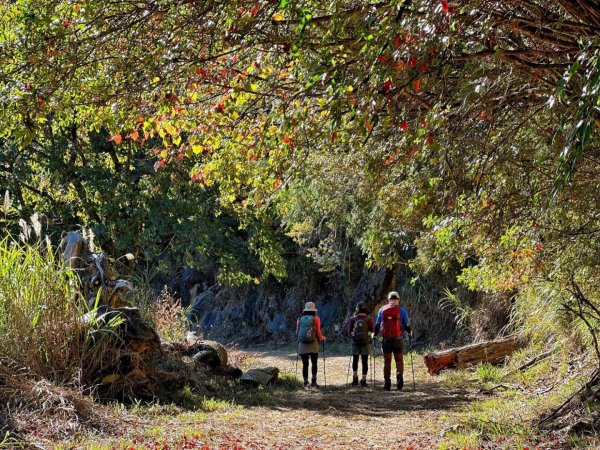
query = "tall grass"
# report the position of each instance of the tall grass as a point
(37, 318)
(40, 316)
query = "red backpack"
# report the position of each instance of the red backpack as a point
(390, 323)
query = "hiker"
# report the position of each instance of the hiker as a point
(308, 332)
(360, 326)
(390, 322)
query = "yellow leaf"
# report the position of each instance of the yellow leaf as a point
(197, 149)
(278, 17)
(170, 128)
(136, 373)
(113, 377)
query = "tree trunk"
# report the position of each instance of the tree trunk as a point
(493, 352)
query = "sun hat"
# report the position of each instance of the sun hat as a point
(393, 296)
(310, 306)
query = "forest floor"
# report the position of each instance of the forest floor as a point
(339, 416)
(287, 416)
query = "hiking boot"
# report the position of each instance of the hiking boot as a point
(399, 381)
(387, 385)
(354, 381)
(306, 384)
(363, 382)
(313, 384)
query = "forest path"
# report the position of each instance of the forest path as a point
(336, 416)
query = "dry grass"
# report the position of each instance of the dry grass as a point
(165, 314)
(38, 413)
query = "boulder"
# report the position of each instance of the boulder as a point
(264, 376)
(209, 352)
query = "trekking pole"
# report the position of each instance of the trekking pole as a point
(324, 371)
(348, 373)
(373, 365)
(411, 359)
(297, 353)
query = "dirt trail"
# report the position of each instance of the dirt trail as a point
(338, 416)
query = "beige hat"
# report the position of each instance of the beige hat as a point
(310, 306)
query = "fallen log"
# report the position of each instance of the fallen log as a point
(493, 352)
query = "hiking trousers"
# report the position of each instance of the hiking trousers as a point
(314, 358)
(365, 363)
(392, 347)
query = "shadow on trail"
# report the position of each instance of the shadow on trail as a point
(337, 398)
(346, 401)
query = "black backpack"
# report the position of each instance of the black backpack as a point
(360, 332)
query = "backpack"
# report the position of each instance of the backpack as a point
(390, 326)
(306, 329)
(360, 332)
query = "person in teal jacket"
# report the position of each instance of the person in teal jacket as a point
(308, 333)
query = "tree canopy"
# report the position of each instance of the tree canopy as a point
(468, 129)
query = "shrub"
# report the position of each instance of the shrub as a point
(38, 319)
(41, 318)
(165, 314)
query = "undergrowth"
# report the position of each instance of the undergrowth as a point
(516, 401)
(163, 313)
(38, 315)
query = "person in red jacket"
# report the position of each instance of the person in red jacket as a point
(308, 332)
(390, 323)
(360, 326)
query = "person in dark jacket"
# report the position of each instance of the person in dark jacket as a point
(308, 333)
(359, 324)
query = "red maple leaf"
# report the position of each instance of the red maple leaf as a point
(445, 8)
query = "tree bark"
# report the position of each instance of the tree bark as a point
(493, 352)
